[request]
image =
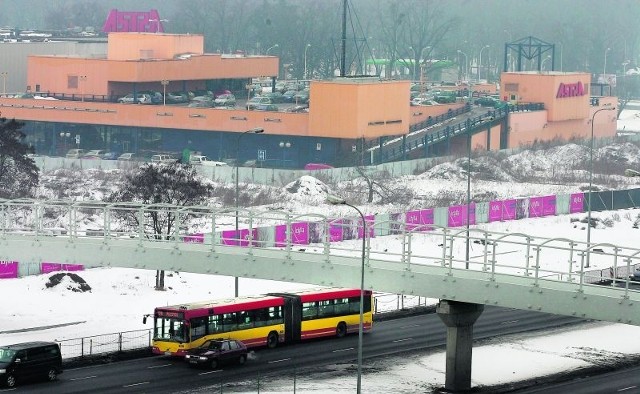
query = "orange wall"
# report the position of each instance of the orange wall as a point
(479, 140)
(52, 72)
(135, 46)
(158, 116)
(534, 87)
(350, 108)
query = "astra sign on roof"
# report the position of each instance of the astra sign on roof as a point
(133, 21)
(570, 90)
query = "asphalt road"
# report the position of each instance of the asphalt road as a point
(410, 335)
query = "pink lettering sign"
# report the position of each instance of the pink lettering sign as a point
(548, 205)
(570, 90)
(240, 238)
(509, 209)
(336, 230)
(535, 207)
(72, 267)
(416, 220)
(197, 238)
(458, 215)
(133, 21)
(495, 211)
(8, 269)
(370, 221)
(45, 267)
(576, 203)
(299, 234)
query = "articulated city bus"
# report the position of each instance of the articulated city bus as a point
(263, 320)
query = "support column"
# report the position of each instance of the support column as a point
(459, 318)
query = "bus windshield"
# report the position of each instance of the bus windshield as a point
(170, 329)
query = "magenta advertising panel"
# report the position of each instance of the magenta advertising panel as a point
(197, 238)
(72, 267)
(576, 203)
(336, 230)
(495, 211)
(458, 215)
(419, 218)
(230, 238)
(45, 267)
(8, 269)
(535, 207)
(509, 209)
(300, 233)
(548, 205)
(370, 221)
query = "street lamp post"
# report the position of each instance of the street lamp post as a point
(164, 83)
(305, 61)
(604, 70)
(284, 145)
(157, 21)
(83, 79)
(257, 130)
(270, 48)
(417, 64)
(335, 200)
(480, 61)
(4, 82)
(65, 135)
(466, 62)
(468, 192)
(591, 179)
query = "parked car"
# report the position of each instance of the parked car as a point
(110, 156)
(137, 99)
(216, 352)
(177, 97)
(298, 108)
(30, 360)
(302, 97)
(257, 100)
(225, 100)
(635, 275)
(75, 153)
(205, 161)
(276, 97)
(127, 157)
(163, 159)
(202, 102)
(266, 107)
(288, 96)
(202, 92)
(156, 97)
(97, 154)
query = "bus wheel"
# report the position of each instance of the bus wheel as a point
(272, 340)
(341, 330)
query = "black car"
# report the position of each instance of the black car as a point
(216, 352)
(30, 360)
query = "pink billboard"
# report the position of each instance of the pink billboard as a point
(8, 269)
(197, 238)
(418, 219)
(458, 215)
(542, 206)
(45, 267)
(336, 230)
(576, 203)
(133, 21)
(502, 210)
(370, 221)
(72, 267)
(299, 234)
(241, 238)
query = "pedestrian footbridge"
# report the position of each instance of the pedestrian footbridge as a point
(558, 276)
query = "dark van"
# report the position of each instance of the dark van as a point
(30, 360)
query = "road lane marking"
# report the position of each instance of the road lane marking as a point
(207, 373)
(84, 378)
(510, 322)
(279, 361)
(135, 384)
(343, 350)
(159, 366)
(410, 326)
(628, 388)
(402, 340)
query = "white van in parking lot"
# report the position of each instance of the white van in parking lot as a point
(164, 159)
(205, 161)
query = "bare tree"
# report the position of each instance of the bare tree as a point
(164, 187)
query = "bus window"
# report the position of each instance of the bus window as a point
(309, 310)
(214, 324)
(342, 306)
(229, 322)
(198, 328)
(275, 315)
(326, 308)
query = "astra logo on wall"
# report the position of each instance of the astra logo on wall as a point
(570, 90)
(133, 21)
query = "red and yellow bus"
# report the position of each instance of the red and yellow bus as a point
(263, 320)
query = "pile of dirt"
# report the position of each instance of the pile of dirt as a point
(70, 281)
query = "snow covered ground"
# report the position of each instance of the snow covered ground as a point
(119, 297)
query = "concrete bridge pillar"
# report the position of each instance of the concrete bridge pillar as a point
(459, 318)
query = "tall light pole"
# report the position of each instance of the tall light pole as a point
(157, 21)
(604, 70)
(284, 145)
(480, 61)
(335, 200)
(417, 63)
(591, 179)
(560, 55)
(4, 82)
(466, 62)
(270, 48)
(257, 130)
(65, 135)
(468, 191)
(305, 61)
(164, 83)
